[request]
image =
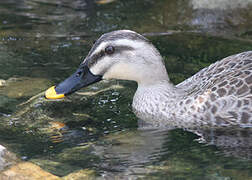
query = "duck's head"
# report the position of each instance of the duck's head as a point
(121, 54)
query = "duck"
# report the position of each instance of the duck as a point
(219, 95)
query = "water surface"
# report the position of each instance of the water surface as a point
(42, 42)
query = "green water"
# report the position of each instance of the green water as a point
(43, 41)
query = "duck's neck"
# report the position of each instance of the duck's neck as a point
(157, 103)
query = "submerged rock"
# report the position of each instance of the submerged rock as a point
(84, 174)
(85, 109)
(7, 105)
(79, 157)
(6, 158)
(27, 171)
(2, 82)
(64, 129)
(23, 87)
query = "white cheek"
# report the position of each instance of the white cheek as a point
(121, 70)
(100, 66)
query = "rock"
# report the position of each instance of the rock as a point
(104, 1)
(27, 171)
(78, 156)
(55, 167)
(23, 87)
(2, 82)
(6, 158)
(84, 174)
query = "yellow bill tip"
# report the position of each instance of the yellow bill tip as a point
(52, 94)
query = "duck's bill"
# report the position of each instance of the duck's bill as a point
(81, 78)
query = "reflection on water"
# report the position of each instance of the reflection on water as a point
(43, 41)
(54, 18)
(233, 142)
(128, 154)
(43, 17)
(175, 152)
(224, 4)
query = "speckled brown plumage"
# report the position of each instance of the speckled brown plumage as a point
(225, 90)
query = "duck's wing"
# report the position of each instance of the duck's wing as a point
(233, 72)
(223, 91)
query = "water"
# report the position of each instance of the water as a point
(42, 42)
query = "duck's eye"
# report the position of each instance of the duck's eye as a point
(94, 41)
(109, 50)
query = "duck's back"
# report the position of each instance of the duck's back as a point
(223, 91)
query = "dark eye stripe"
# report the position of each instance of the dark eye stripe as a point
(94, 59)
(98, 56)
